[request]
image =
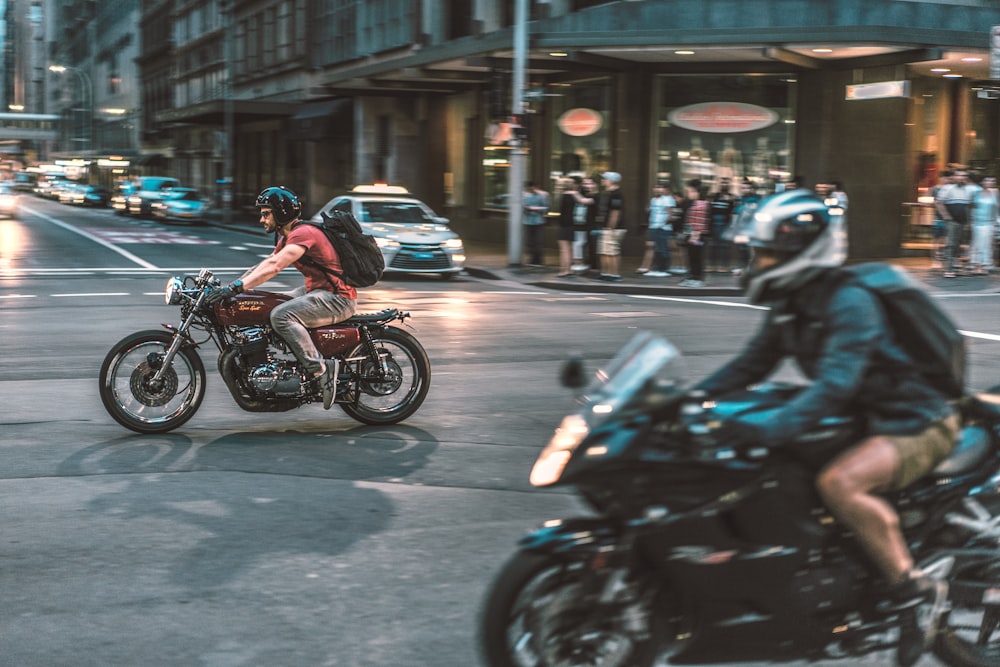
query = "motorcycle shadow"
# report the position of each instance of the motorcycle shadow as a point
(217, 511)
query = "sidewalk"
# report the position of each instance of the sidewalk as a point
(490, 261)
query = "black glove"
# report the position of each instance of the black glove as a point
(740, 436)
(217, 294)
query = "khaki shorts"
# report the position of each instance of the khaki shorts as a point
(610, 242)
(921, 453)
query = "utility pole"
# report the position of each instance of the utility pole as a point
(516, 183)
(227, 112)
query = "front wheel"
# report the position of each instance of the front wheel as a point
(388, 397)
(543, 611)
(132, 395)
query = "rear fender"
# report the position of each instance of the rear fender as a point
(571, 536)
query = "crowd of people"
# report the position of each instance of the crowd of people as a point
(967, 223)
(686, 229)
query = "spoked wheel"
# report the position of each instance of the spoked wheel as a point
(138, 401)
(539, 613)
(390, 395)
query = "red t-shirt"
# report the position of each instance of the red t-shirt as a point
(320, 250)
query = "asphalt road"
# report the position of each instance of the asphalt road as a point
(298, 538)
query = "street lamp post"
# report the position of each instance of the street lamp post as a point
(87, 94)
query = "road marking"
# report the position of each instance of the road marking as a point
(124, 253)
(94, 294)
(18, 296)
(728, 304)
(146, 237)
(978, 334)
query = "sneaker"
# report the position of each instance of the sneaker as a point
(641, 270)
(920, 602)
(949, 274)
(614, 278)
(656, 274)
(579, 268)
(696, 283)
(328, 383)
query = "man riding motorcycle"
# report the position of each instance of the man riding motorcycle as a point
(840, 338)
(324, 299)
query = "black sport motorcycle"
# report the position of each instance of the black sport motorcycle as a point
(698, 553)
(154, 381)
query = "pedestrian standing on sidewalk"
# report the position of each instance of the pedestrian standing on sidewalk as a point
(746, 204)
(611, 219)
(573, 214)
(536, 205)
(695, 223)
(588, 239)
(656, 260)
(984, 223)
(721, 208)
(953, 204)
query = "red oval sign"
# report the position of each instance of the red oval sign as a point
(722, 117)
(580, 122)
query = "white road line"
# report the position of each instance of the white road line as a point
(124, 253)
(728, 304)
(979, 334)
(93, 294)
(18, 296)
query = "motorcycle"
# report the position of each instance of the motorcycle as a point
(696, 552)
(154, 381)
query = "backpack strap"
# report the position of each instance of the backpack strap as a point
(309, 261)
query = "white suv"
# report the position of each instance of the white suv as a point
(413, 239)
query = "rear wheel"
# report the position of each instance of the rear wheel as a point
(132, 395)
(391, 396)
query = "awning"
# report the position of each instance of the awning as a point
(326, 119)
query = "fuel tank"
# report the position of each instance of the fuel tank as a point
(249, 308)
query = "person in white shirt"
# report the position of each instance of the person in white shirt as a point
(656, 261)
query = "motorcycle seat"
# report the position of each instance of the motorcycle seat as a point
(972, 447)
(386, 314)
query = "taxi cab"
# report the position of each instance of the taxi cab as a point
(412, 238)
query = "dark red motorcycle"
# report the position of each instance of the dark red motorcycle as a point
(153, 381)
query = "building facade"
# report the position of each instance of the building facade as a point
(319, 95)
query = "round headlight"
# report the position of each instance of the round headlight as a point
(172, 294)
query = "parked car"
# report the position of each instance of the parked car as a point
(181, 205)
(413, 238)
(25, 181)
(148, 189)
(90, 195)
(9, 200)
(119, 200)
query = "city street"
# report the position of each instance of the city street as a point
(299, 538)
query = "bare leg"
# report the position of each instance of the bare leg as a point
(848, 484)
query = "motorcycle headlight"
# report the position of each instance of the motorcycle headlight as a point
(553, 459)
(172, 295)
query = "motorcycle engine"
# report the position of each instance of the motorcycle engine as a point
(825, 588)
(268, 376)
(276, 378)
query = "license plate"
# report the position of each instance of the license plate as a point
(423, 255)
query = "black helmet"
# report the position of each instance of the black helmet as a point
(793, 235)
(284, 204)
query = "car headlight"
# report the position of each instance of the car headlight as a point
(454, 244)
(383, 242)
(549, 466)
(172, 295)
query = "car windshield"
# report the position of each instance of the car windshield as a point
(394, 211)
(186, 195)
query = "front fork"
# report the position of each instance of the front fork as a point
(180, 335)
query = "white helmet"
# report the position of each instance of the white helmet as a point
(793, 237)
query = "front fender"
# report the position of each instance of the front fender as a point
(571, 536)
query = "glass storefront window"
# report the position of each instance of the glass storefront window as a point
(581, 136)
(736, 127)
(496, 174)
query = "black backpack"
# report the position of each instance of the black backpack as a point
(359, 255)
(919, 325)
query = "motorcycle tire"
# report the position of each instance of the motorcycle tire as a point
(970, 632)
(535, 593)
(379, 400)
(133, 401)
